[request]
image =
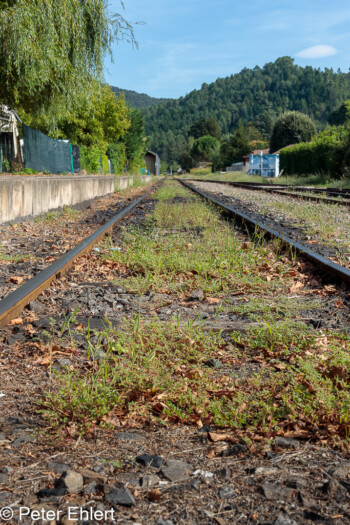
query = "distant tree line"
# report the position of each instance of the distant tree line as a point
(139, 100)
(253, 98)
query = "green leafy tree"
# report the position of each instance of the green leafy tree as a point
(187, 162)
(135, 140)
(290, 128)
(235, 147)
(340, 115)
(96, 121)
(208, 126)
(51, 49)
(204, 147)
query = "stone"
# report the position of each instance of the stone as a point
(282, 442)
(120, 496)
(91, 488)
(275, 492)
(227, 492)
(203, 474)
(224, 473)
(20, 440)
(5, 497)
(72, 481)
(282, 519)
(194, 484)
(6, 470)
(345, 484)
(129, 478)
(178, 463)
(147, 460)
(90, 475)
(235, 450)
(149, 480)
(164, 522)
(4, 478)
(44, 323)
(196, 295)
(2, 436)
(271, 455)
(213, 363)
(64, 363)
(334, 490)
(176, 470)
(37, 307)
(45, 494)
(264, 470)
(315, 516)
(342, 471)
(305, 500)
(297, 483)
(13, 339)
(58, 467)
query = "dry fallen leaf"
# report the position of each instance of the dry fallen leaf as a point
(16, 279)
(295, 287)
(215, 438)
(213, 300)
(339, 304)
(16, 321)
(155, 495)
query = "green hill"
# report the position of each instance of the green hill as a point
(139, 100)
(256, 95)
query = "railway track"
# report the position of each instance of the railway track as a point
(160, 407)
(298, 192)
(328, 267)
(15, 302)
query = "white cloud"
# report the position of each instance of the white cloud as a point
(318, 52)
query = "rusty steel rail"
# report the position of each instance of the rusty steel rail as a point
(329, 267)
(13, 304)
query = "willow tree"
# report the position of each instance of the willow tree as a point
(51, 49)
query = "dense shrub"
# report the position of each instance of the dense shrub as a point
(291, 127)
(329, 152)
(117, 154)
(90, 159)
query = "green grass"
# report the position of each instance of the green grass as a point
(186, 245)
(157, 373)
(13, 258)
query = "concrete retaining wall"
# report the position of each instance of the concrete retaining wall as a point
(29, 196)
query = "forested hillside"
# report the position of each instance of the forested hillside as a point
(256, 95)
(138, 100)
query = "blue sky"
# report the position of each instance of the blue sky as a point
(184, 43)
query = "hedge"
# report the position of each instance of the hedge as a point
(328, 152)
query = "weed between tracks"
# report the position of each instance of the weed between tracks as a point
(150, 373)
(279, 377)
(186, 245)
